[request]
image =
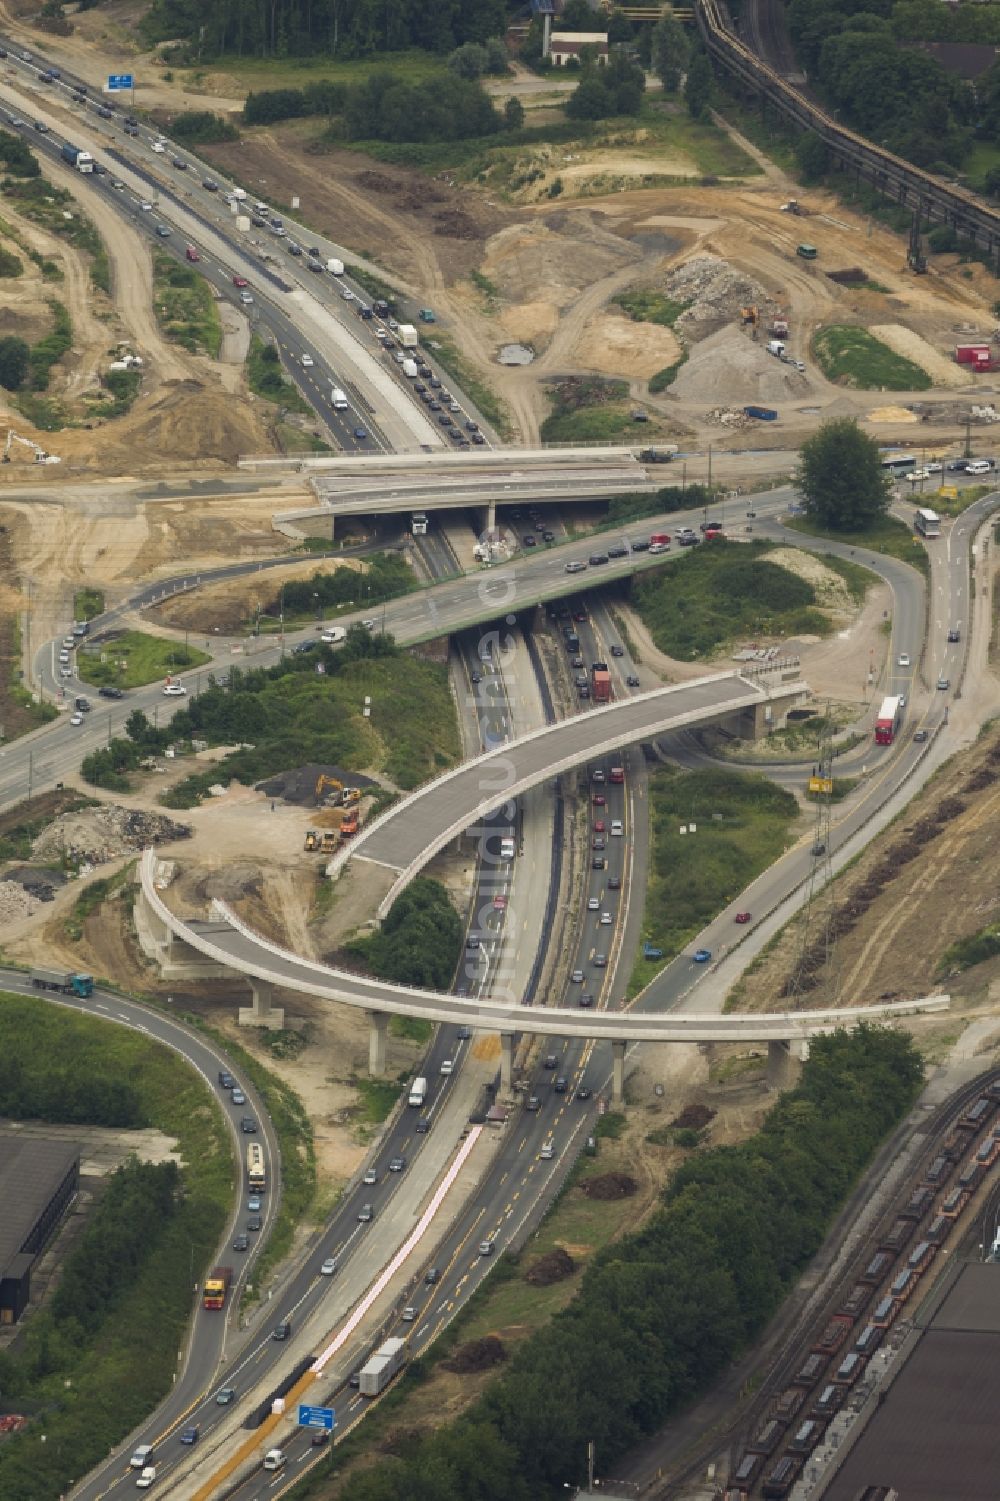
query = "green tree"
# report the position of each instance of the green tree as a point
(577, 16)
(513, 113)
(497, 56)
(469, 61)
(14, 358)
(698, 87)
(590, 100)
(843, 484)
(619, 28)
(670, 51)
(812, 156)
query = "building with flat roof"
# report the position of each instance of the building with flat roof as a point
(566, 46)
(38, 1179)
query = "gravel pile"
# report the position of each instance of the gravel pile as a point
(715, 291)
(93, 836)
(749, 374)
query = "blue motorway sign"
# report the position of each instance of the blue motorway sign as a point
(118, 81)
(316, 1417)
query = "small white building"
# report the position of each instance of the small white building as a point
(565, 46)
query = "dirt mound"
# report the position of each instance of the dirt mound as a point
(230, 885)
(694, 1118)
(477, 1355)
(715, 292)
(456, 224)
(556, 1266)
(95, 835)
(400, 1441)
(610, 1186)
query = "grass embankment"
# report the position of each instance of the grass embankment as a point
(97, 1371)
(293, 714)
(266, 378)
(887, 536)
(17, 704)
(725, 591)
(967, 952)
(253, 74)
(853, 357)
(146, 659)
(592, 408)
(439, 347)
(184, 306)
(87, 603)
(743, 823)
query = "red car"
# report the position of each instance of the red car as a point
(599, 800)
(240, 281)
(598, 825)
(500, 903)
(742, 917)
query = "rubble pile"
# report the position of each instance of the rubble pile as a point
(93, 836)
(15, 903)
(716, 294)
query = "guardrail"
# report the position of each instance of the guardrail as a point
(891, 175)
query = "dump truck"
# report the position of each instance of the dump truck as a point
(217, 1286)
(387, 1361)
(349, 824)
(65, 981)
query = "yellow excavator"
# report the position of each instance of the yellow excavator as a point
(347, 794)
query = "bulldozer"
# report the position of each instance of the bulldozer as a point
(329, 841)
(312, 841)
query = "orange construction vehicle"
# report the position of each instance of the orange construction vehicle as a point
(349, 824)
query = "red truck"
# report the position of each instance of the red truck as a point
(191, 253)
(216, 1286)
(600, 683)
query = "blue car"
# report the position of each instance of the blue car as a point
(361, 434)
(702, 956)
(190, 1435)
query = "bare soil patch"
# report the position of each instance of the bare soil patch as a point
(614, 345)
(477, 1355)
(555, 1266)
(610, 1186)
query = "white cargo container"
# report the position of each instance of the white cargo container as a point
(335, 267)
(407, 335)
(384, 1364)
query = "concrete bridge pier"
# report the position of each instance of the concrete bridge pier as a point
(506, 1062)
(491, 518)
(377, 1034)
(618, 1071)
(784, 1059)
(262, 1013)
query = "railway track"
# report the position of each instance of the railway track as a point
(935, 199)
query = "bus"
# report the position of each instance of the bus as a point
(899, 463)
(927, 523)
(887, 724)
(256, 1176)
(418, 524)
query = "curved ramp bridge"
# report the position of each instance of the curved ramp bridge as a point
(410, 833)
(232, 947)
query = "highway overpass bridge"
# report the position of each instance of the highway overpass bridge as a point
(407, 835)
(232, 947)
(478, 477)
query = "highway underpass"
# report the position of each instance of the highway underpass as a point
(227, 941)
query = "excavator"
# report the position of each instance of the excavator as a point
(347, 794)
(41, 457)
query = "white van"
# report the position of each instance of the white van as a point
(507, 849)
(274, 1459)
(338, 399)
(978, 466)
